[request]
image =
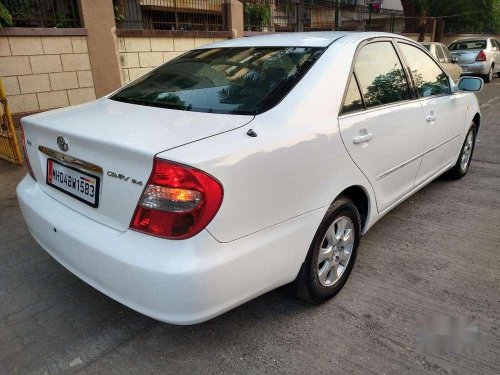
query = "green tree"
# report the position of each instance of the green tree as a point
(477, 15)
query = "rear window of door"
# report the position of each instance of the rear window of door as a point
(380, 75)
(353, 101)
(428, 77)
(440, 54)
(447, 55)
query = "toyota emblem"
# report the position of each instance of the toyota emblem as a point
(62, 143)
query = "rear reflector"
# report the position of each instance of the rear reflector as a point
(25, 153)
(481, 56)
(178, 201)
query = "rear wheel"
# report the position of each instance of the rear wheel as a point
(489, 77)
(461, 167)
(332, 253)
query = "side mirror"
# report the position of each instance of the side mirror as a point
(470, 84)
(454, 59)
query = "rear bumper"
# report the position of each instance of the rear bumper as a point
(180, 282)
(480, 68)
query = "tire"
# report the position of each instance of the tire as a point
(462, 165)
(489, 77)
(315, 286)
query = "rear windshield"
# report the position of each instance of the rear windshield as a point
(223, 80)
(468, 44)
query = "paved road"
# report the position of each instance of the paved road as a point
(437, 253)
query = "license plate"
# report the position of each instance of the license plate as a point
(74, 182)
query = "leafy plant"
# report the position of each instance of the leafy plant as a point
(23, 9)
(5, 16)
(62, 22)
(118, 16)
(257, 14)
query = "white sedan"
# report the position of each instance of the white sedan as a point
(242, 166)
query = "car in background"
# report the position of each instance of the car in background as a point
(477, 56)
(443, 55)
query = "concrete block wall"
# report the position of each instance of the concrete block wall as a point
(140, 54)
(45, 72)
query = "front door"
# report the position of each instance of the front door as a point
(382, 128)
(444, 118)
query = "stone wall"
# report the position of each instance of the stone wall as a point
(140, 54)
(45, 72)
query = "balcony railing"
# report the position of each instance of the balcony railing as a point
(202, 15)
(43, 13)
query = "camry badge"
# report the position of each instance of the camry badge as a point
(62, 143)
(124, 178)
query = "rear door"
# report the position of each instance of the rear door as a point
(381, 126)
(442, 110)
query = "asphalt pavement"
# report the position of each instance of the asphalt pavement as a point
(437, 254)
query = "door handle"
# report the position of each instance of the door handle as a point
(432, 117)
(362, 138)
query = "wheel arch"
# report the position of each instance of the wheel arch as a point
(361, 199)
(477, 120)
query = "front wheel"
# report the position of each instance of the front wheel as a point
(462, 165)
(332, 253)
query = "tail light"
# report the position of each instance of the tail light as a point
(178, 201)
(481, 56)
(25, 153)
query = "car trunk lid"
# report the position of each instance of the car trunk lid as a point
(118, 141)
(466, 57)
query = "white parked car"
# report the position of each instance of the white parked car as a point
(242, 166)
(441, 53)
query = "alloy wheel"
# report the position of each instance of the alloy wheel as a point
(467, 151)
(335, 251)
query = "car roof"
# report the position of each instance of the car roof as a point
(306, 39)
(471, 39)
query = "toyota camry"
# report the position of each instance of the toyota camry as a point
(242, 166)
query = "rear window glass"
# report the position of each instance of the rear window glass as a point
(246, 80)
(468, 44)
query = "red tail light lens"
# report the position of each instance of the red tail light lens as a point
(481, 56)
(178, 201)
(25, 153)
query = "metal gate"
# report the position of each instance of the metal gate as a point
(9, 147)
(320, 15)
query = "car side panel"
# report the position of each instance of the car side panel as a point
(264, 184)
(297, 162)
(390, 160)
(442, 136)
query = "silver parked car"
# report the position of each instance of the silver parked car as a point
(477, 56)
(442, 54)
